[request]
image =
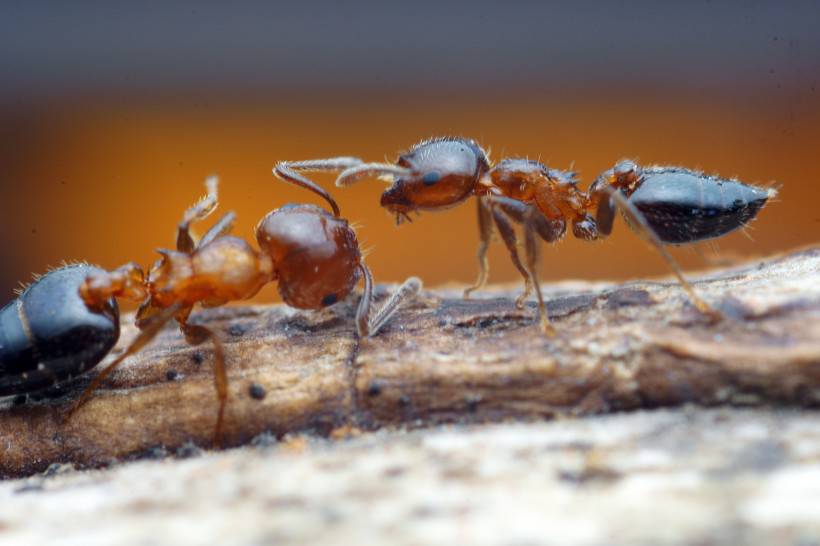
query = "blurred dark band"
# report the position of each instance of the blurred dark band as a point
(49, 48)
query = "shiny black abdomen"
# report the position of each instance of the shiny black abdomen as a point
(48, 335)
(685, 206)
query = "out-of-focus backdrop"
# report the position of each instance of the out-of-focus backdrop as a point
(112, 115)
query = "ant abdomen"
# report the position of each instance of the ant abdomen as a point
(683, 206)
(49, 335)
(315, 255)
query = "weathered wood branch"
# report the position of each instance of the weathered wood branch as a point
(443, 359)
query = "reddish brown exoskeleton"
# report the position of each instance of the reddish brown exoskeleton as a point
(665, 205)
(312, 254)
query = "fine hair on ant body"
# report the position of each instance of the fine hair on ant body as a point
(664, 205)
(314, 256)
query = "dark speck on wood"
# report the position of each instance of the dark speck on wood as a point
(257, 391)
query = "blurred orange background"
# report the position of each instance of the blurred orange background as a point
(104, 176)
(106, 184)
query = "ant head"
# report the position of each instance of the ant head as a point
(315, 255)
(439, 173)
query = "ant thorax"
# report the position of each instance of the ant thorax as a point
(555, 193)
(225, 269)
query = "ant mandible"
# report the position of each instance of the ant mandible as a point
(664, 205)
(312, 254)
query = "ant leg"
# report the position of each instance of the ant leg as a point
(196, 334)
(605, 216)
(353, 174)
(507, 231)
(287, 171)
(222, 227)
(369, 327)
(363, 311)
(199, 211)
(149, 330)
(506, 211)
(485, 232)
(531, 245)
(408, 289)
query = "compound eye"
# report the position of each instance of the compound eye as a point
(431, 178)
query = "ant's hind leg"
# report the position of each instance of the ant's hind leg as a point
(485, 232)
(605, 214)
(287, 171)
(148, 331)
(199, 211)
(507, 231)
(531, 245)
(197, 334)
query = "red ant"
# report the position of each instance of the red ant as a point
(312, 254)
(665, 205)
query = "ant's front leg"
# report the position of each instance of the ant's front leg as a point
(485, 232)
(609, 199)
(369, 327)
(507, 231)
(505, 211)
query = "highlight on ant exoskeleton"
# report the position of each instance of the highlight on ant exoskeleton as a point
(67, 321)
(664, 205)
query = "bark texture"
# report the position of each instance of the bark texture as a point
(443, 359)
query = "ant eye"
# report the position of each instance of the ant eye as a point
(330, 299)
(431, 178)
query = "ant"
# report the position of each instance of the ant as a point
(67, 321)
(664, 205)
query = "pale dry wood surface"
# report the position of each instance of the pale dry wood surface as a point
(724, 476)
(443, 359)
